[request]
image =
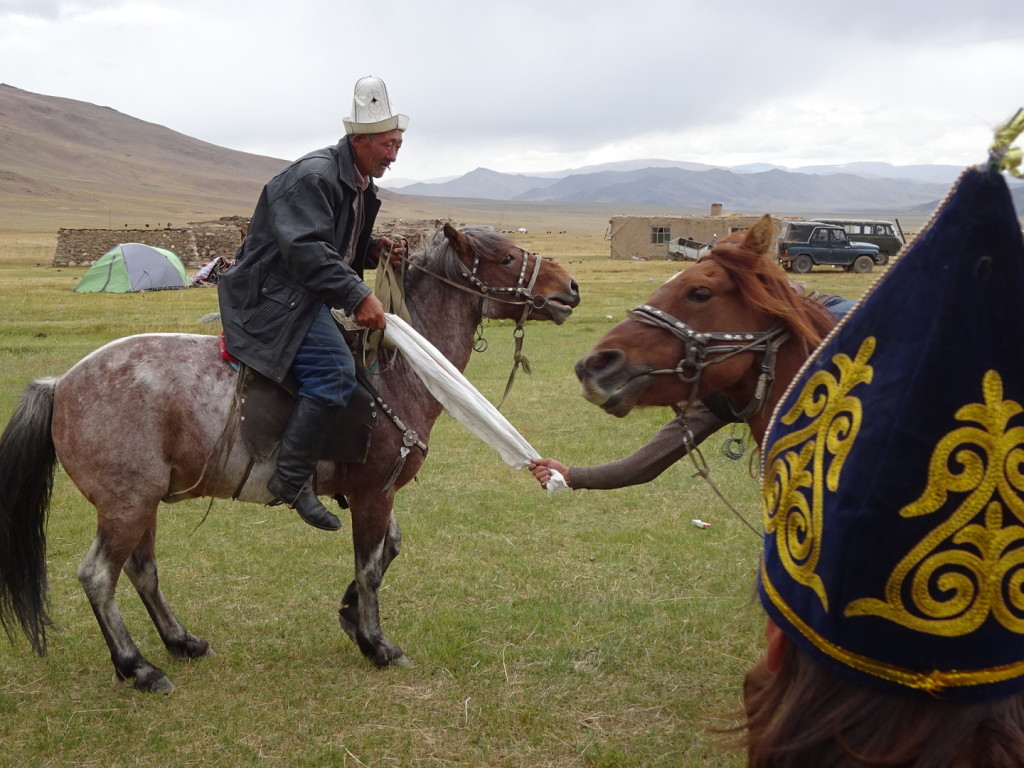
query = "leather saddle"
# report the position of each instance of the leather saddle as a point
(265, 407)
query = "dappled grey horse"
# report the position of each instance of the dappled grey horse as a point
(126, 459)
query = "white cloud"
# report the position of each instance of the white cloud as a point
(544, 84)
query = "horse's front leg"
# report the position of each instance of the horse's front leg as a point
(349, 611)
(376, 540)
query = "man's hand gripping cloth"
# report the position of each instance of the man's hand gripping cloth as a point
(462, 400)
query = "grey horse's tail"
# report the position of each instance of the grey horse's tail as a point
(27, 461)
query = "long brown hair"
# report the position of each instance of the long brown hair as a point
(804, 716)
(763, 284)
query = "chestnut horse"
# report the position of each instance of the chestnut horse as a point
(126, 458)
(729, 328)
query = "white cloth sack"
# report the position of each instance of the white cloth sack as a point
(462, 400)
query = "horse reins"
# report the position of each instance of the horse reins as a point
(698, 346)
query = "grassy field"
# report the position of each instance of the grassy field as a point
(590, 629)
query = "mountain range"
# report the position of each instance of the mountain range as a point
(81, 165)
(867, 188)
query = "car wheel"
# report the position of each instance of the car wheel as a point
(802, 264)
(863, 264)
(882, 258)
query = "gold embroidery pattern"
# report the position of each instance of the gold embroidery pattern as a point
(796, 476)
(971, 565)
(933, 681)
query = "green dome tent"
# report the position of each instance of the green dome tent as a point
(134, 267)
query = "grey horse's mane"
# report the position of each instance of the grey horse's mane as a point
(439, 256)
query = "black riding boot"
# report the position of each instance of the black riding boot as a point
(297, 457)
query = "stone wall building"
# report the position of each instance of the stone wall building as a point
(195, 244)
(198, 243)
(647, 237)
(417, 231)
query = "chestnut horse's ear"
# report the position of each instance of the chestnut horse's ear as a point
(458, 242)
(760, 238)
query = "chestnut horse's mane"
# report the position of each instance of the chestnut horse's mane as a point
(762, 282)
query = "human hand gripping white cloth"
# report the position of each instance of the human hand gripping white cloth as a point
(463, 401)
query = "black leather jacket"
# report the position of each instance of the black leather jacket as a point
(291, 261)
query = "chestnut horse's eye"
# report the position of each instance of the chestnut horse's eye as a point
(507, 260)
(699, 294)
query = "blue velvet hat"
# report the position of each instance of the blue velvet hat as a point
(893, 470)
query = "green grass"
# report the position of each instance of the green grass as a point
(591, 629)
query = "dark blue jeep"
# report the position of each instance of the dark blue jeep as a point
(805, 244)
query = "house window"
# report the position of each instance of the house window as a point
(661, 234)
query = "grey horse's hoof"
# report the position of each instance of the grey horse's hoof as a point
(390, 656)
(159, 685)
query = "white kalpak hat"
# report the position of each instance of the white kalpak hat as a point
(372, 111)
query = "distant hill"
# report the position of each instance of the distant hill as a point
(679, 185)
(934, 174)
(97, 166)
(774, 190)
(629, 165)
(482, 184)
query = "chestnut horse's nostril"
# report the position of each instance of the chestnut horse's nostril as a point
(575, 290)
(600, 363)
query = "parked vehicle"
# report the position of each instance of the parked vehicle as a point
(805, 244)
(887, 235)
(687, 249)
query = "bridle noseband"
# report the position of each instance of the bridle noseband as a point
(522, 288)
(698, 346)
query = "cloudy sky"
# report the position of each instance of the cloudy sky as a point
(541, 85)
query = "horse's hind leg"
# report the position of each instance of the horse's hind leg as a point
(141, 569)
(98, 575)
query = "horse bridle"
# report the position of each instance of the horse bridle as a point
(523, 290)
(529, 301)
(698, 346)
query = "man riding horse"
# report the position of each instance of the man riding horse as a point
(307, 246)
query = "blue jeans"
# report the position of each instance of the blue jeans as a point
(838, 306)
(324, 365)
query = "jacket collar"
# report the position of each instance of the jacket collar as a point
(347, 167)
